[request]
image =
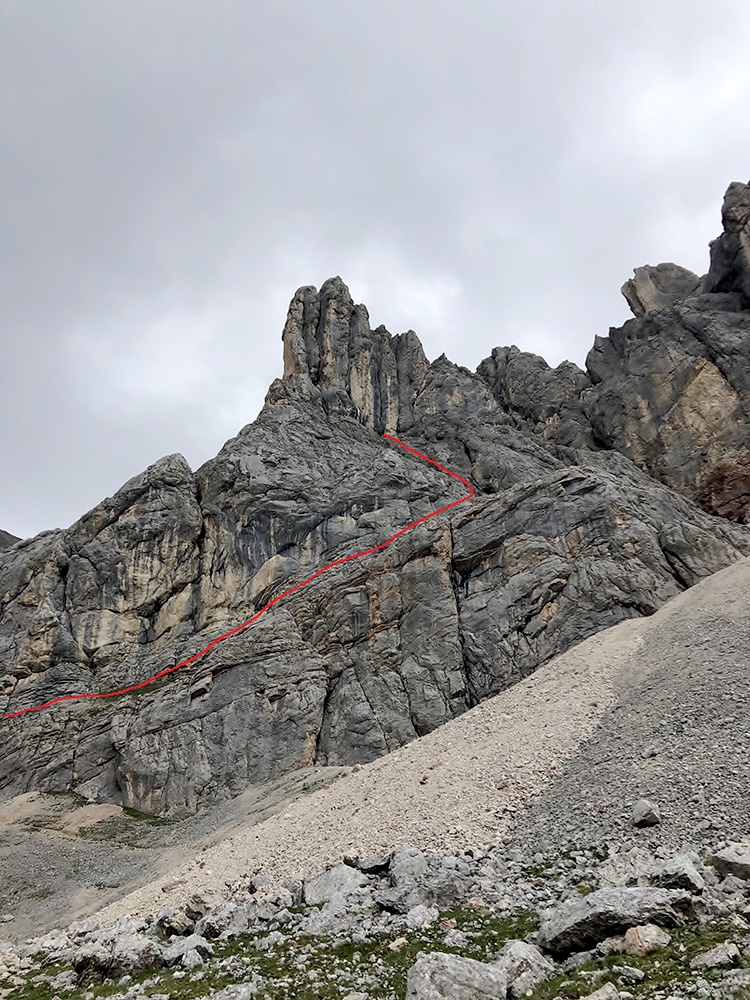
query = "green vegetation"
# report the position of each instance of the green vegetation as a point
(304, 968)
(664, 969)
(131, 829)
(295, 967)
(307, 968)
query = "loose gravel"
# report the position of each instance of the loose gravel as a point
(654, 707)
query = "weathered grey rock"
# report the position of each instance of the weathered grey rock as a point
(629, 973)
(201, 903)
(375, 864)
(421, 915)
(614, 945)
(723, 956)
(550, 399)
(733, 860)
(606, 992)
(670, 389)
(440, 976)
(730, 253)
(407, 865)
(339, 881)
(237, 991)
(579, 923)
(646, 813)
(132, 953)
(418, 881)
(172, 921)
(645, 938)
(658, 287)
(191, 959)
(6, 539)
(229, 918)
(91, 961)
(115, 955)
(176, 951)
(525, 966)
(565, 537)
(455, 938)
(678, 873)
(632, 867)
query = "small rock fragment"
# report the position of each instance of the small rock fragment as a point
(629, 973)
(646, 813)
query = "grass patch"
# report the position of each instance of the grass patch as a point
(323, 968)
(306, 968)
(132, 829)
(664, 969)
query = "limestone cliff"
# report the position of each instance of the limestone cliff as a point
(6, 539)
(584, 516)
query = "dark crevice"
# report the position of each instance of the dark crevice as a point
(330, 691)
(457, 584)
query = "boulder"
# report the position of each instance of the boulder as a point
(733, 860)
(91, 962)
(678, 873)
(645, 938)
(133, 953)
(176, 951)
(227, 919)
(579, 923)
(420, 915)
(415, 881)
(339, 881)
(374, 864)
(115, 955)
(525, 966)
(730, 253)
(172, 921)
(658, 287)
(723, 956)
(606, 992)
(407, 865)
(439, 976)
(201, 903)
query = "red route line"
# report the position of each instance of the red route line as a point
(279, 597)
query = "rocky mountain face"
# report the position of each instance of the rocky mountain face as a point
(596, 500)
(7, 539)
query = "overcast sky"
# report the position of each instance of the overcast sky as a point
(484, 172)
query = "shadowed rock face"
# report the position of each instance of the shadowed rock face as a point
(583, 517)
(6, 539)
(669, 389)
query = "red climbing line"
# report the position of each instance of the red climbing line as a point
(275, 600)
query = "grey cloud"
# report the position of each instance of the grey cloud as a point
(485, 173)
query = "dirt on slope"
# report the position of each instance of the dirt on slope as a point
(653, 706)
